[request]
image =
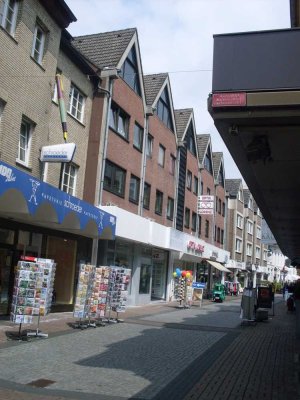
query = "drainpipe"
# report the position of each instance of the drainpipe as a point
(149, 113)
(109, 73)
(176, 179)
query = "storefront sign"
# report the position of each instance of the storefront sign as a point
(229, 99)
(197, 247)
(206, 205)
(214, 254)
(58, 152)
(36, 194)
(199, 285)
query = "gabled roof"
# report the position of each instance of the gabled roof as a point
(233, 186)
(105, 49)
(153, 83)
(217, 158)
(202, 144)
(247, 195)
(182, 118)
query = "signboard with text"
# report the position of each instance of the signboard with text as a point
(206, 205)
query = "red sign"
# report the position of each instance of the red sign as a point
(229, 99)
(199, 248)
(28, 258)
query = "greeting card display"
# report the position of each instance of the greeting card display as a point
(183, 287)
(84, 290)
(119, 279)
(33, 288)
(97, 300)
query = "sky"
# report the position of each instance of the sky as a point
(176, 36)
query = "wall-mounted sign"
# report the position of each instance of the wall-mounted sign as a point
(206, 205)
(199, 248)
(58, 152)
(229, 99)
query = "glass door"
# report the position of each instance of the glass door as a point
(6, 257)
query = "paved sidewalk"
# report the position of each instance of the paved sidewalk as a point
(158, 353)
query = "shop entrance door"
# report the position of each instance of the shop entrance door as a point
(159, 272)
(6, 257)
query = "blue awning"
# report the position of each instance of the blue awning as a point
(27, 199)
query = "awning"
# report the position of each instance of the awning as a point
(26, 199)
(189, 257)
(218, 266)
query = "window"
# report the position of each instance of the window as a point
(258, 232)
(201, 192)
(68, 178)
(158, 202)
(220, 206)
(195, 188)
(114, 179)
(250, 204)
(218, 235)
(206, 228)
(238, 245)
(221, 177)
(130, 73)
(134, 189)
(239, 221)
(119, 121)
(208, 163)
(172, 164)
(250, 227)
(146, 200)
(189, 180)
(257, 252)
(223, 209)
(249, 249)
(217, 198)
(163, 109)
(194, 222)
(170, 209)
(138, 136)
(149, 146)
(9, 16)
(38, 44)
(24, 142)
(199, 220)
(76, 103)
(161, 155)
(187, 215)
(208, 191)
(222, 236)
(191, 140)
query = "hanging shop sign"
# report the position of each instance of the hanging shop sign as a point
(58, 153)
(206, 205)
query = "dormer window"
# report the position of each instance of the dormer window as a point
(208, 163)
(130, 73)
(221, 177)
(191, 140)
(163, 109)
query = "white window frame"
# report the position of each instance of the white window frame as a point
(9, 6)
(67, 173)
(238, 245)
(24, 142)
(265, 255)
(161, 155)
(249, 249)
(258, 232)
(38, 45)
(239, 221)
(76, 103)
(250, 227)
(257, 252)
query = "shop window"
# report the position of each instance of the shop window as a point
(145, 278)
(68, 178)
(76, 103)
(9, 16)
(146, 199)
(114, 178)
(7, 236)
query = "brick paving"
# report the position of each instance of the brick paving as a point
(158, 353)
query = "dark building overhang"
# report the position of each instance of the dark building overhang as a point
(59, 11)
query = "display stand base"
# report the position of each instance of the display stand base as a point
(37, 334)
(80, 325)
(112, 321)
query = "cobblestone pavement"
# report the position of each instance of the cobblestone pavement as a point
(159, 352)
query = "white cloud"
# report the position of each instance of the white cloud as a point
(177, 35)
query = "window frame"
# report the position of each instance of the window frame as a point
(39, 51)
(135, 198)
(206, 231)
(146, 187)
(240, 218)
(13, 23)
(71, 106)
(249, 249)
(138, 144)
(115, 114)
(170, 209)
(159, 198)
(187, 217)
(114, 169)
(70, 189)
(28, 139)
(194, 221)
(238, 245)
(161, 154)
(149, 146)
(249, 227)
(189, 177)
